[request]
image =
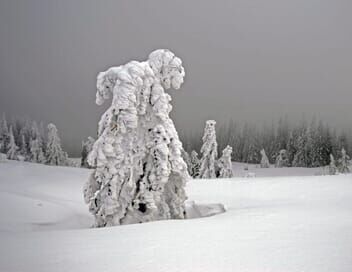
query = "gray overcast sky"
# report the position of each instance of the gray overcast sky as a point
(249, 60)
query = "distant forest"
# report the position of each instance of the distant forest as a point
(306, 143)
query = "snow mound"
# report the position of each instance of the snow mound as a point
(194, 210)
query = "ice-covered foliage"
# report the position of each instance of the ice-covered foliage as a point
(344, 162)
(36, 151)
(225, 164)
(12, 149)
(332, 166)
(54, 153)
(195, 164)
(209, 151)
(264, 162)
(281, 159)
(87, 146)
(139, 172)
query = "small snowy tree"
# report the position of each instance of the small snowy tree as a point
(195, 164)
(281, 159)
(23, 150)
(209, 151)
(87, 147)
(36, 151)
(332, 166)
(54, 153)
(344, 162)
(12, 147)
(139, 172)
(264, 162)
(4, 134)
(225, 164)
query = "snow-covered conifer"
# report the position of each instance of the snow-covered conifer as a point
(281, 159)
(332, 166)
(264, 162)
(195, 164)
(139, 172)
(12, 150)
(54, 153)
(23, 149)
(344, 162)
(225, 164)
(4, 134)
(36, 151)
(209, 151)
(87, 146)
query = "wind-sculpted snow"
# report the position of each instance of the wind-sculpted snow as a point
(139, 172)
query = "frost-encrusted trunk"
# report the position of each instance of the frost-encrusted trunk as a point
(139, 172)
(209, 151)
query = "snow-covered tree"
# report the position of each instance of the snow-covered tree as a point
(225, 164)
(87, 146)
(209, 151)
(4, 134)
(23, 148)
(139, 172)
(264, 162)
(281, 159)
(344, 162)
(12, 149)
(195, 164)
(332, 166)
(54, 153)
(36, 151)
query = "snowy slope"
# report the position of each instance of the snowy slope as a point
(277, 224)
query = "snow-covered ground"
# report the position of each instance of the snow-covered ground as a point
(243, 170)
(272, 224)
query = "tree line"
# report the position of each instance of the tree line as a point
(304, 144)
(25, 140)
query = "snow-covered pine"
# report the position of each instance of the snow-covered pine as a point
(195, 164)
(281, 159)
(12, 149)
(343, 165)
(23, 148)
(332, 166)
(225, 164)
(264, 162)
(36, 151)
(87, 146)
(139, 172)
(4, 134)
(54, 153)
(209, 151)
